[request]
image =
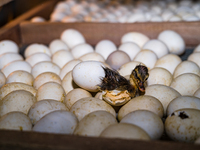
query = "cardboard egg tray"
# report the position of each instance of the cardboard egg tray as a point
(24, 33)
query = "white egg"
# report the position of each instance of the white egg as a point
(2, 79)
(132, 49)
(72, 37)
(166, 14)
(197, 93)
(59, 121)
(68, 67)
(173, 40)
(186, 84)
(156, 18)
(36, 58)
(10, 87)
(136, 17)
(19, 100)
(41, 108)
(44, 78)
(105, 48)
(62, 57)
(87, 105)
(157, 46)
(57, 16)
(148, 121)
(74, 95)
(45, 66)
(70, 18)
(124, 131)
(197, 49)
(20, 76)
(81, 49)
(92, 56)
(145, 102)
(136, 37)
(57, 45)
(87, 74)
(164, 94)
(194, 57)
(169, 62)
(36, 48)
(94, 123)
(37, 19)
(9, 57)
(147, 57)
(16, 65)
(175, 18)
(7, 46)
(15, 121)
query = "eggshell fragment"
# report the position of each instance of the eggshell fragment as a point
(45, 66)
(74, 95)
(87, 74)
(16, 65)
(136, 37)
(19, 100)
(94, 123)
(15, 121)
(59, 121)
(46, 77)
(183, 125)
(125, 131)
(9, 87)
(41, 108)
(186, 84)
(9, 57)
(87, 105)
(169, 62)
(105, 48)
(183, 102)
(72, 37)
(164, 94)
(2, 79)
(145, 102)
(92, 56)
(194, 57)
(147, 120)
(57, 45)
(7, 46)
(36, 58)
(20, 76)
(81, 49)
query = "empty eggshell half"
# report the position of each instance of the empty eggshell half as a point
(41, 108)
(7, 46)
(81, 49)
(9, 57)
(36, 58)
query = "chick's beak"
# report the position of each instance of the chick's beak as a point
(141, 87)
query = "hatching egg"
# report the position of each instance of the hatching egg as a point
(117, 58)
(87, 74)
(9, 87)
(136, 37)
(105, 48)
(68, 67)
(7, 46)
(87, 105)
(147, 120)
(36, 58)
(46, 77)
(147, 57)
(145, 102)
(72, 37)
(74, 95)
(45, 66)
(92, 56)
(125, 131)
(159, 75)
(173, 40)
(20, 76)
(16, 65)
(94, 123)
(36, 48)
(2, 79)
(183, 125)
(57, 45)
(157, 46)
(59, 121)
(183, 102)
(81, 49)
(9, 57)
(19, 100)
(186, 67)
(41, 108)
(169, 62)
(164, 94)
(186, 84)
(130, 48)
(194, 57)
(62, 57)
(15, 121)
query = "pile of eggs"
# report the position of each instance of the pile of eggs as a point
(54, 88)
(126, 12)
